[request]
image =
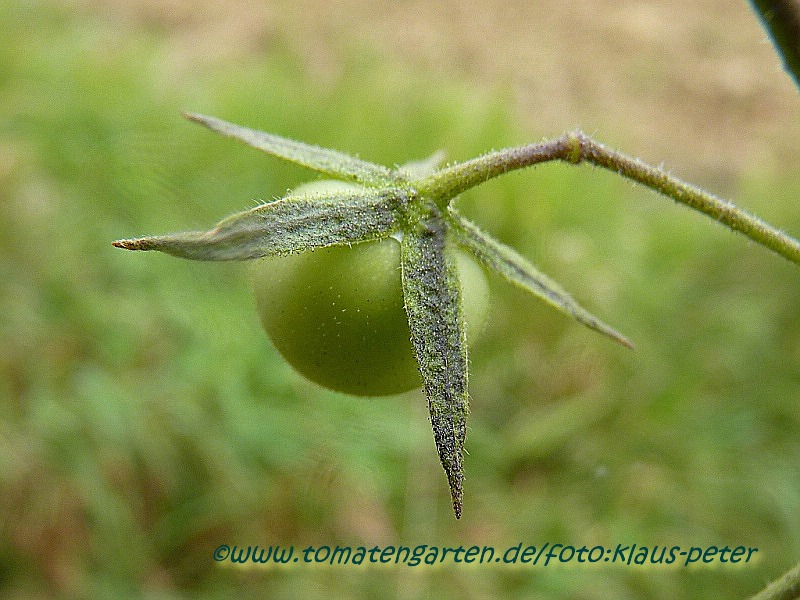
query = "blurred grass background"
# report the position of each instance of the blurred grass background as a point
(145, 419)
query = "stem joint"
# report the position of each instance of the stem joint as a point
(576, 142)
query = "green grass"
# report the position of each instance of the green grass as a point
(145, 419)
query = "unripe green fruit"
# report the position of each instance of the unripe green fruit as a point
(337, 316)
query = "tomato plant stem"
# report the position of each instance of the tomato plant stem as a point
(576, 147)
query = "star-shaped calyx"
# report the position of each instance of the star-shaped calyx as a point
(413, 203)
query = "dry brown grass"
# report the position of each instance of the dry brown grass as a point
(693, 83)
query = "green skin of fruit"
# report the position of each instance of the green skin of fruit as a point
(337, 316)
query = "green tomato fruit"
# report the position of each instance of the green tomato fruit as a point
(337, 316)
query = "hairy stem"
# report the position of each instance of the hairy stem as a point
(448, 183)
(785, 588)
(576, 147)
(718, 209)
